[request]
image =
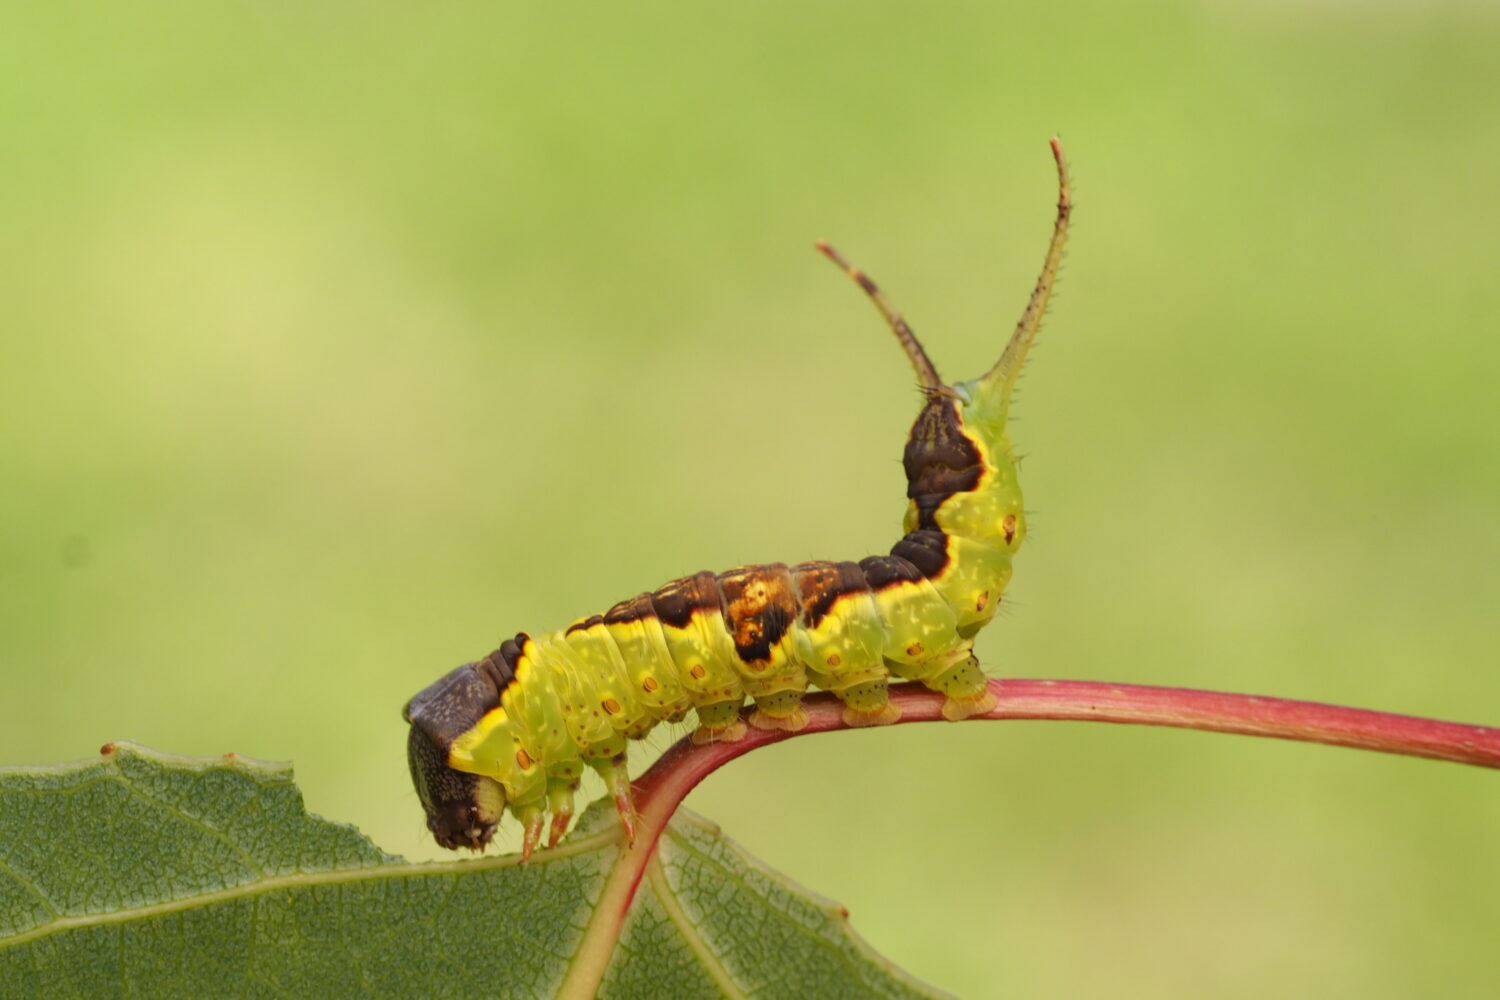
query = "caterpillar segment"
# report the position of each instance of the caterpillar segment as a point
(516, 729)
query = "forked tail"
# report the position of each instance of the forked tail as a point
(992, 391)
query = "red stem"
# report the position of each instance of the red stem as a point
(681, 768)
(663, 787)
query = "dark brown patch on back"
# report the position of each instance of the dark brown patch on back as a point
(760, 604)
(821, 584)
(632, 610)
(925, 549)
(586, 624)
(675, 602)
(887, 571)
(940, 460)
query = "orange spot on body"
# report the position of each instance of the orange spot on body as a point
(982, 601)
(524, 759)
(649, 684)
(1009, 524)
(698, 672)
(610, 705)
(834, 660)
(915, 649)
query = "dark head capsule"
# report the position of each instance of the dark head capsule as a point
(462, 809)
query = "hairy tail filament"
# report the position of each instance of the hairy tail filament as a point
(909, 343)
(998, 382)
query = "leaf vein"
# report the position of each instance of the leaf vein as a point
(247, 890)
(667, 897)
(213, 834)
(30, 887)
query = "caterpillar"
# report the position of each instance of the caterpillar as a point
(515, 729)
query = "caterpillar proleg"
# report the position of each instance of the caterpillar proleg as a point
(515, 729)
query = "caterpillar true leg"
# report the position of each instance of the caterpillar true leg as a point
(513, 730)
(617, 779)
(532, 818)
(560, 789)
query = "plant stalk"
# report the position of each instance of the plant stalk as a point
(662, 788)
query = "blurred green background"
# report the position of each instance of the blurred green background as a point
(342, 340)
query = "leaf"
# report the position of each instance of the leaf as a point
(720, 922)
(144, 874)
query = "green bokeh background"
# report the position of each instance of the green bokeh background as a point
(341, 340)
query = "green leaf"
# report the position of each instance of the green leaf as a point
(144, 874)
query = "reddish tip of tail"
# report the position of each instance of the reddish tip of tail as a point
(826, 249)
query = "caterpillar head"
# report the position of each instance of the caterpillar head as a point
(462, 809)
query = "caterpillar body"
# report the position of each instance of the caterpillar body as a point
(516, 728)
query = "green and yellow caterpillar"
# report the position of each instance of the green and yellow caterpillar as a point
(517, 727)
